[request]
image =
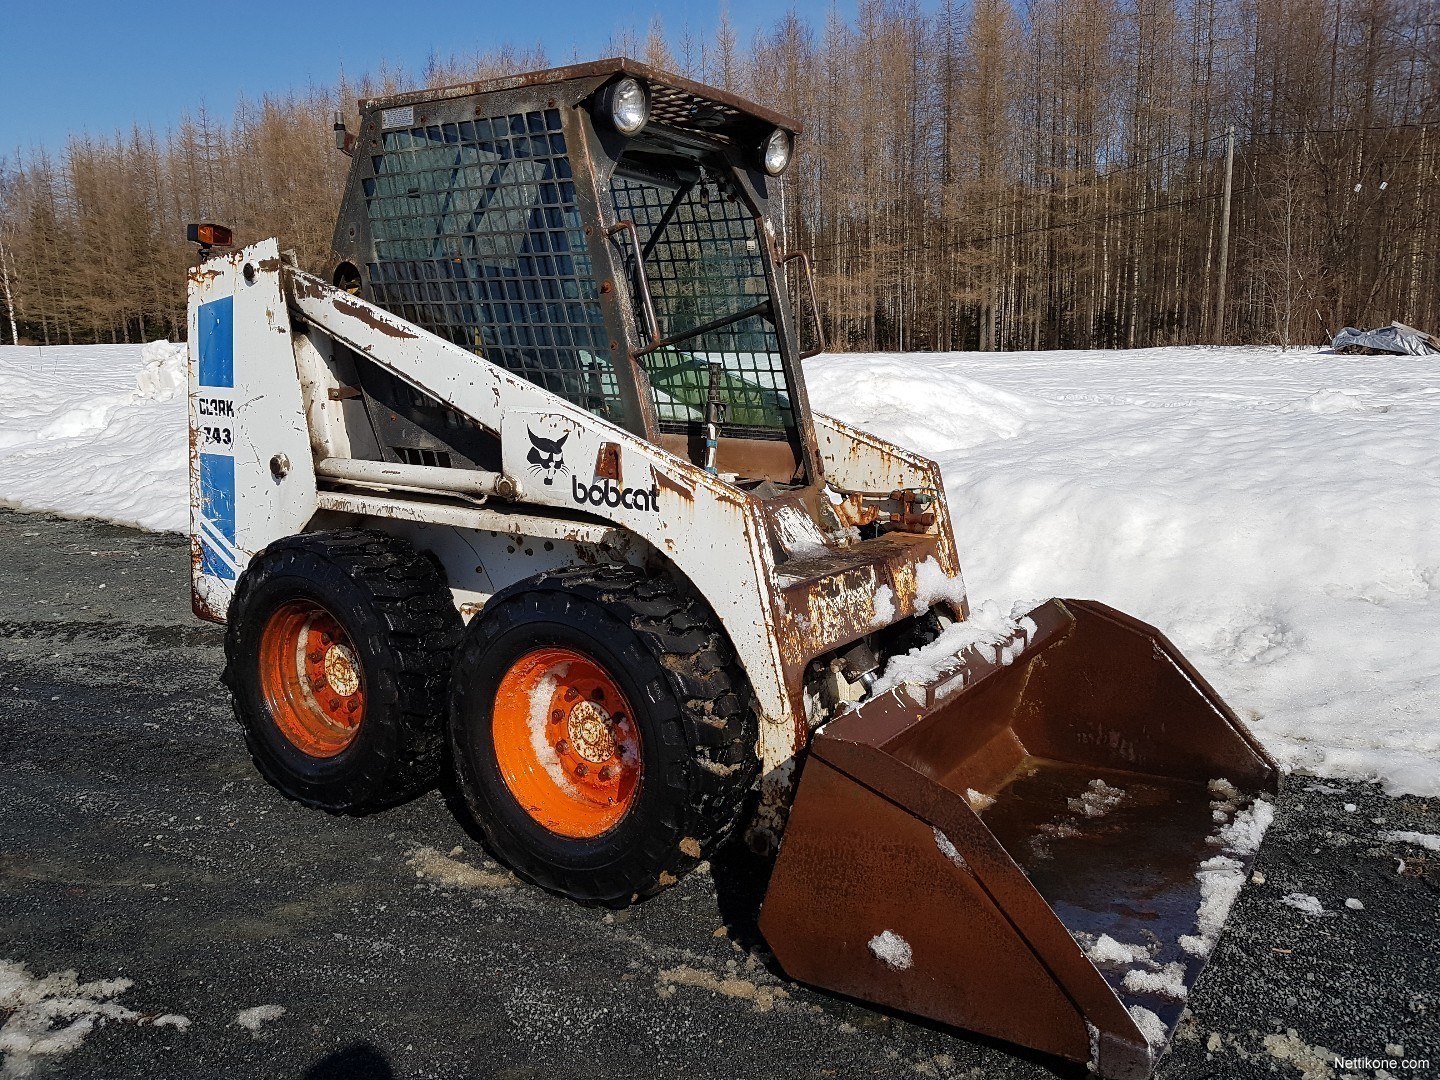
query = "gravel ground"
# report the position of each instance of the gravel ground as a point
(136, 842)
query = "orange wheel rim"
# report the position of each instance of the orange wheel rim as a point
(566, 742)
(311, 678)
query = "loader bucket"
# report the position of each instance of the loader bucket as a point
(1040, 845)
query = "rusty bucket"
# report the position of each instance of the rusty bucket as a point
(1040, 845)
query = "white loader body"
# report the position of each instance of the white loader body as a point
(280, 446)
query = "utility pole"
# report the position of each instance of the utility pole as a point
(9, 301)
(1224, 236)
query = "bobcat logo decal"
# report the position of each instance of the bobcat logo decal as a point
(547, 456)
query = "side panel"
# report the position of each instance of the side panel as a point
(251, 477)
(857, 461)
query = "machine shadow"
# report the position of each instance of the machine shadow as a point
(359, 1061)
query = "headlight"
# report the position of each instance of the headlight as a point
(775, 153)
(627, 105)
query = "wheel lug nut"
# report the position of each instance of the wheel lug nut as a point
(335, 703)
(563, 746)
(607, 772)
(317, 685)
(314, 656)
(556, 716)
(598, 694)
(326, 638)
(581, 769)
(352, 704)
(571, 693)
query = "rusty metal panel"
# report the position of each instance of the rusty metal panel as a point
(856, 461)
(675, 106)
(1085, 778)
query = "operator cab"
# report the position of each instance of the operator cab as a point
(601, 230)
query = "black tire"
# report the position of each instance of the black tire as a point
(398, 614)
(698, 731)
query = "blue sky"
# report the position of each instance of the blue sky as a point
(99, 65)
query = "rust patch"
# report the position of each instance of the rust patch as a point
(664, 481)
(853, 512)
(607, 462)
(358, 310)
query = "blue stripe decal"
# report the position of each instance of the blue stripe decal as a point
(217, 505)
(217, 342)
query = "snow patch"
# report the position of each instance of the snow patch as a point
(1168, 982)
(1097, 800)
(932, 585)
(978, 800)
(763, 997)
(430, 864)
(49, 1016)
(988, 631)
(539, 716)
(1429, 841)
(1221, 879)
(1310, 905)
(1151, 1026)
(884, 606)
(949, 850)
(1107, 950)
(162, 378)
(893, 949)
(1243, 835)
(250, 1019)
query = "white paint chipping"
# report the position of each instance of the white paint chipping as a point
(892, 949)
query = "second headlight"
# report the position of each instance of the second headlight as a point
(775, 152)
(626, 105)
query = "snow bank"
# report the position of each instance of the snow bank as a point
(89, 431)
(1276, 514)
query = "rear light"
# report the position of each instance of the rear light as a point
(208, 235)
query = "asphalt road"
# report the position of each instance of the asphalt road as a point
(136, 841)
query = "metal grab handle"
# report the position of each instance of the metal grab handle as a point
(814, 302)
(645, 300)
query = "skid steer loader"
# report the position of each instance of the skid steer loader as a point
(532, 479)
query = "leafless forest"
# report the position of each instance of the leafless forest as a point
(988, 175)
